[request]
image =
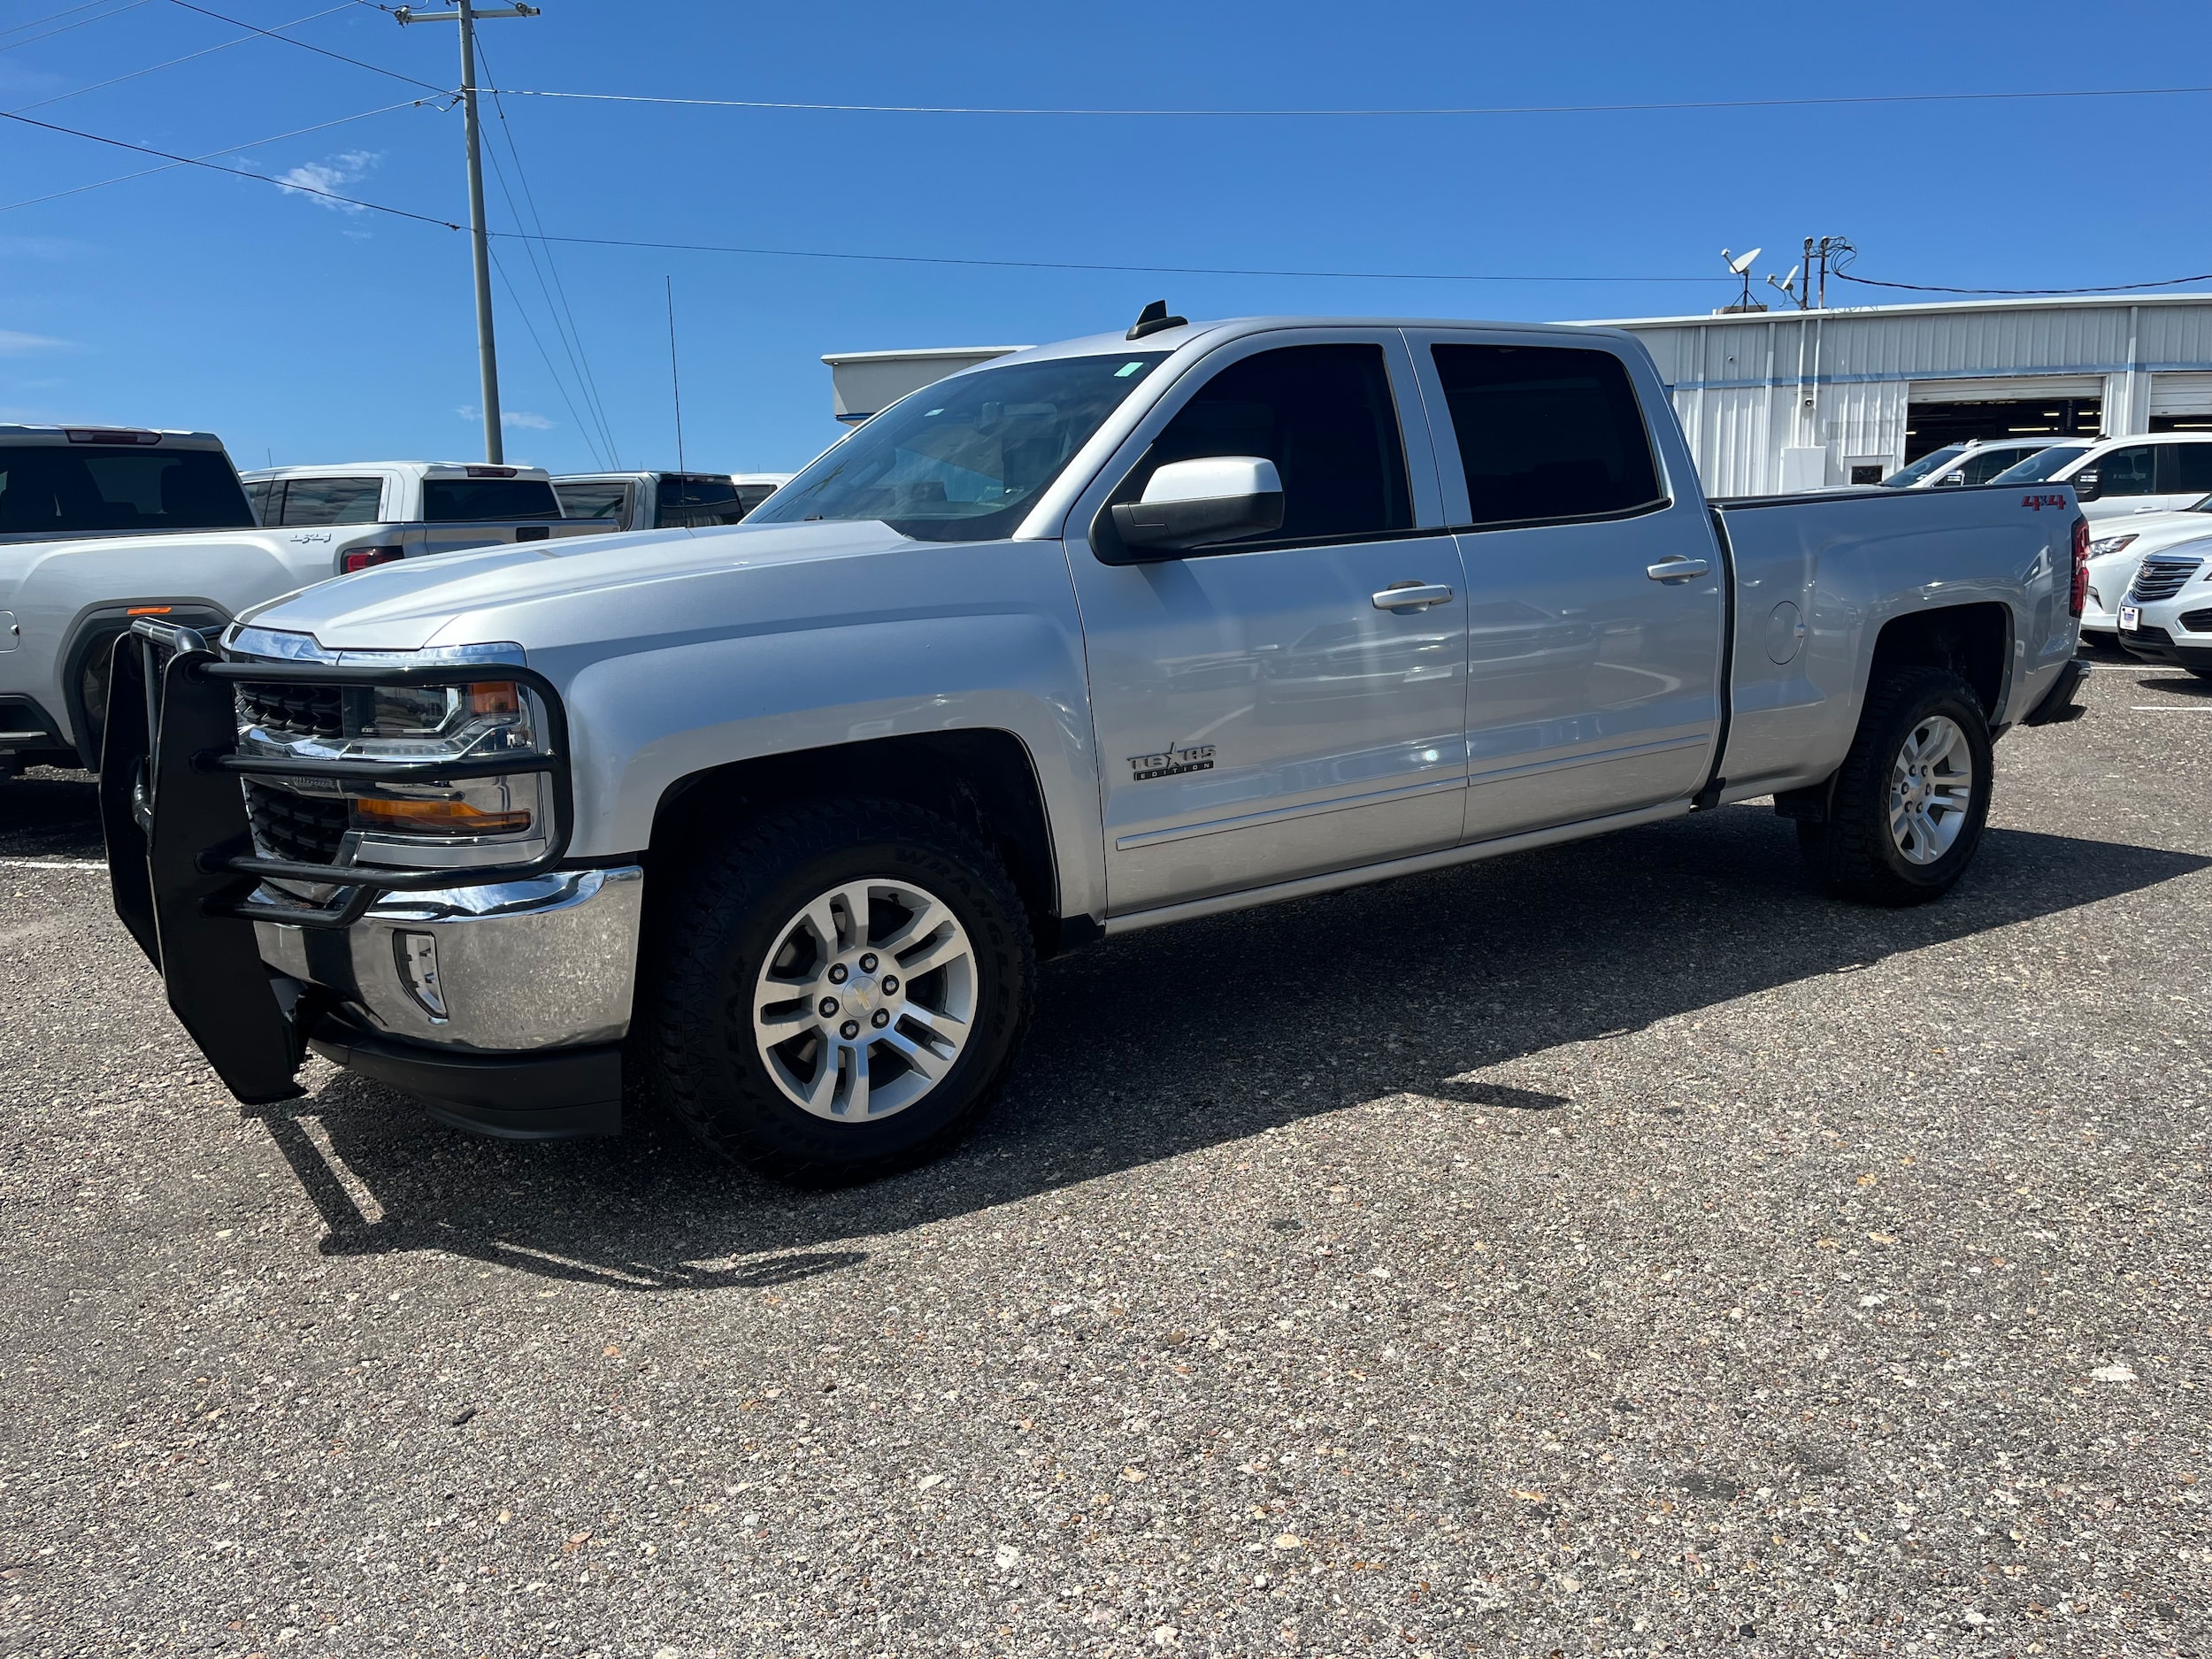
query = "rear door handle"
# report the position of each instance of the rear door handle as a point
(1677, 570)
(1407, 597)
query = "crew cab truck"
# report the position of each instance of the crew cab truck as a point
(775, 821)
(664, 500)
(65, 601)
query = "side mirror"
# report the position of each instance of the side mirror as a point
(1190, 503)
(2086, 484)
(1951, 478)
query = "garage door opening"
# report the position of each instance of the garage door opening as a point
(1928, 427)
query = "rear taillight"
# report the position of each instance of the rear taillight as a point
(2080, 595)
(362, 558)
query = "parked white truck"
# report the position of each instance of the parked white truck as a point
(78, 563)
(664, 500)
(775, 820)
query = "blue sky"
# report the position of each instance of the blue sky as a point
(306, 332)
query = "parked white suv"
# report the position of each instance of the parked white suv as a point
(2118, 552)
(2148, 471)
(2166, 615)
(1975, 461)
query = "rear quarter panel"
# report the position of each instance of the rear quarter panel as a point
(1851, 564)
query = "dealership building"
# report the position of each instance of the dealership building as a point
(1782, 400)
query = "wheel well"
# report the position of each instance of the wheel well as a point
(982, 781)
(1971, 642)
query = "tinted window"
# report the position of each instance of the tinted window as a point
(1988, 463)
(464, 500)
(966, 458)
(2188, 466)
(261, 491)
(1906, 477)
(694, 502)
(1325, 415)
(67, 491)
(2130, 471)
(314, 500)
(593, 501)
(1546, 432)
(2042, 464)
(750, 496)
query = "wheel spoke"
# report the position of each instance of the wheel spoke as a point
(920, 1055)
(924, 922)
(822, 1092)
(949, 947)
(939, 1024)
(856, 1102)
(772, 1029)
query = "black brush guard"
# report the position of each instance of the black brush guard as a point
(180, 853)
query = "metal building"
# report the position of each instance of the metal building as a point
(1789, 400)
(1792, 400)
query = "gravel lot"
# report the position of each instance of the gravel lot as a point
(1610, 1250)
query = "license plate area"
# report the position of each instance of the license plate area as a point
(2130, 617)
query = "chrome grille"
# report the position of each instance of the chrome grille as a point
(2161, 577)
(291, 710)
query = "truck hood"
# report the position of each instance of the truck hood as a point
(495, 595)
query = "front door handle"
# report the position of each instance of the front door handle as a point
(1405, 598)
(1677, 570)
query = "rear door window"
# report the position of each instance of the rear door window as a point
(477, 500)
(325, 501)
(1980, 469)
(2187, 469)
(1546, 431)
(262, 493)
(1325, 417)
(2130, 471)
(64, 490)
(690, 503)
(608, 502)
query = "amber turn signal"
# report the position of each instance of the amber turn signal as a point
(436, 818)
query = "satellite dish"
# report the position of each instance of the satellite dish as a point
(1738, 263)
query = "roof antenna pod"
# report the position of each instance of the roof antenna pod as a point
(1152, 319)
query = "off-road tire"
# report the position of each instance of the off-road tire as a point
(702, 1060)
(1852, 852)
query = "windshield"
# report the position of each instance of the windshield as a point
(1935, 460)
(2039, 467)
(965, 459)
(66, 491)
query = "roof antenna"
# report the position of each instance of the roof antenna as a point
(1152, 319)
(674, 385)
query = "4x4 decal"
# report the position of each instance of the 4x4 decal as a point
(1167, 763)
(2037, 503)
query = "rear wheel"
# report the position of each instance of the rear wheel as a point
(1909, 803)
(843, 991)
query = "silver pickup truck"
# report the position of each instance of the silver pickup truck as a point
(775, 821)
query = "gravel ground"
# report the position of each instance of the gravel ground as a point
(1609, 1249)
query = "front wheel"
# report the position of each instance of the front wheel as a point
(1912, 796)
(843, 991)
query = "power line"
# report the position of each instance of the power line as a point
(559, 386)
(204, 51)
(1314, 114)
(1072, 264)
(572, 335)
(11, 45)
(2108, 288)
(235, 173)
(377, 69)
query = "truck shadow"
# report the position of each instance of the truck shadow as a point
(1163, 1042)
(45, 813)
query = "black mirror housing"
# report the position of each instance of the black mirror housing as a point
(2087, 486)
(1177, 526)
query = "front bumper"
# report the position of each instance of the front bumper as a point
(2163, 639)
(544, 962)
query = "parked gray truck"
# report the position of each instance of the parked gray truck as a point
(775, 820)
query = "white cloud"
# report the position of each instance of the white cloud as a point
(12, 343)
(508, 418)
(348, 166)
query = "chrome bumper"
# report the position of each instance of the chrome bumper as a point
(549, 962)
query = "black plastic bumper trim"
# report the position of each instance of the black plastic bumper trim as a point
(2057, 703)
(2156, 645)
(554, 1094)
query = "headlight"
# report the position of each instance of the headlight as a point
(492, 818)
(2110, 544)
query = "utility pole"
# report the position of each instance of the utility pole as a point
(486, 355)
